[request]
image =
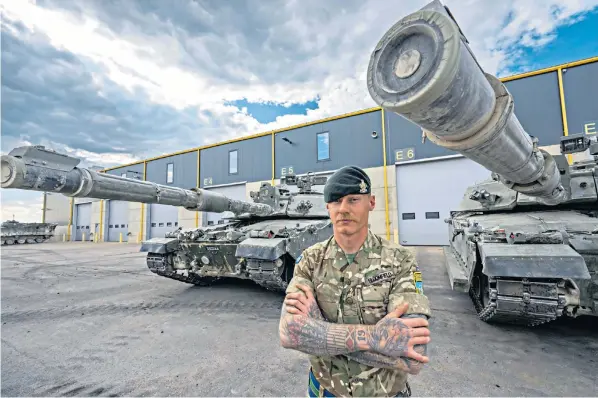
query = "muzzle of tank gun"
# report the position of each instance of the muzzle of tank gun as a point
(423, 70)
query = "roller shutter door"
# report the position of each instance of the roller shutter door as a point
(118, 220)
(163, 219)
(233, 191)
(426, 192)
(83, 222)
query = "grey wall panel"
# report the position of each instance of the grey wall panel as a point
(254, 162)
(580, 85)
(538, 106)
(82, 222)
(404, 138)
(57, 208)
(163, 219)
(184, 170)
(350, 142)
(133, 171)
(118, 220)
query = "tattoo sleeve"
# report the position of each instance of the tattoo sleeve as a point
(318, 337)
(378, 360)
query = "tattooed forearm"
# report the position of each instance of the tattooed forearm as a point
(317, 337)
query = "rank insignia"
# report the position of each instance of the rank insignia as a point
(419, 284)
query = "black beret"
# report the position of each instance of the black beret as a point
(349, 180)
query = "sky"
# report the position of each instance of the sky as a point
(113, 82)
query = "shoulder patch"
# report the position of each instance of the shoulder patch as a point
(299, 258)
(419, 284)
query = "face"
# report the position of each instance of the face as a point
(350, 214)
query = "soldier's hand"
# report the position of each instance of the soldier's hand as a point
(397, 337)
(303, 303)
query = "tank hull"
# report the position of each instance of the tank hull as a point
(526, 267)
(261, 251)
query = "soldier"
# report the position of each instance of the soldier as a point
(356, 303)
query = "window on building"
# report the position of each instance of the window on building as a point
(323, 147)
(169, 173)
(123, 175)
(233, 162)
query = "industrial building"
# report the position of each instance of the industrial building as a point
(416, 183)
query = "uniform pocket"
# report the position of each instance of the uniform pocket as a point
(373, 302)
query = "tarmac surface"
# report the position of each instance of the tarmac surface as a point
(90, 319)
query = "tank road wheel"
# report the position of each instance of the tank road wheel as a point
(30, 240)
(21, 241)
(10, 241)
(481, 289)
(3, 242)
(39, 240)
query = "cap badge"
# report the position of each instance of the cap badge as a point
(363, 187)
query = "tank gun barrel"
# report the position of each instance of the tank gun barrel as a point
(36, 168)
(423, 70)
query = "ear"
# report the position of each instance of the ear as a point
(372, 202)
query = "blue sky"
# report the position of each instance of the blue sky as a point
(268, 112)
(116, 82)
(571, 42)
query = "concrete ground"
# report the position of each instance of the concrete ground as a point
(89, 319)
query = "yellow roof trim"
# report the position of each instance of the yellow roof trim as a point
(344, 115)
(550, 69)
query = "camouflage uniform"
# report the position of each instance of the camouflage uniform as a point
(382, 276)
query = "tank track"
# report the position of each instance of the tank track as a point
(520, 302)
(269, 281)
(159, 265)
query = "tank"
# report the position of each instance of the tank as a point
(524, 243)
(20, 232)
(259, 242)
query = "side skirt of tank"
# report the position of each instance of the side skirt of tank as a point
(526, 284)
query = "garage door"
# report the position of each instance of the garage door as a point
(427, 191)
(83, 221)
(118, 220)
(163, 219)
(233, 191)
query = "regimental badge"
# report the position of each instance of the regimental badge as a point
(419, 284)
(363, 187)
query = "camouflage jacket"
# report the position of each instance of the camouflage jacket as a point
(382, 276)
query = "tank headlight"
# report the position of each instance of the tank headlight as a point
(205, 260)
(278, 262)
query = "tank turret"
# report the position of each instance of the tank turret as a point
(524, 243)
